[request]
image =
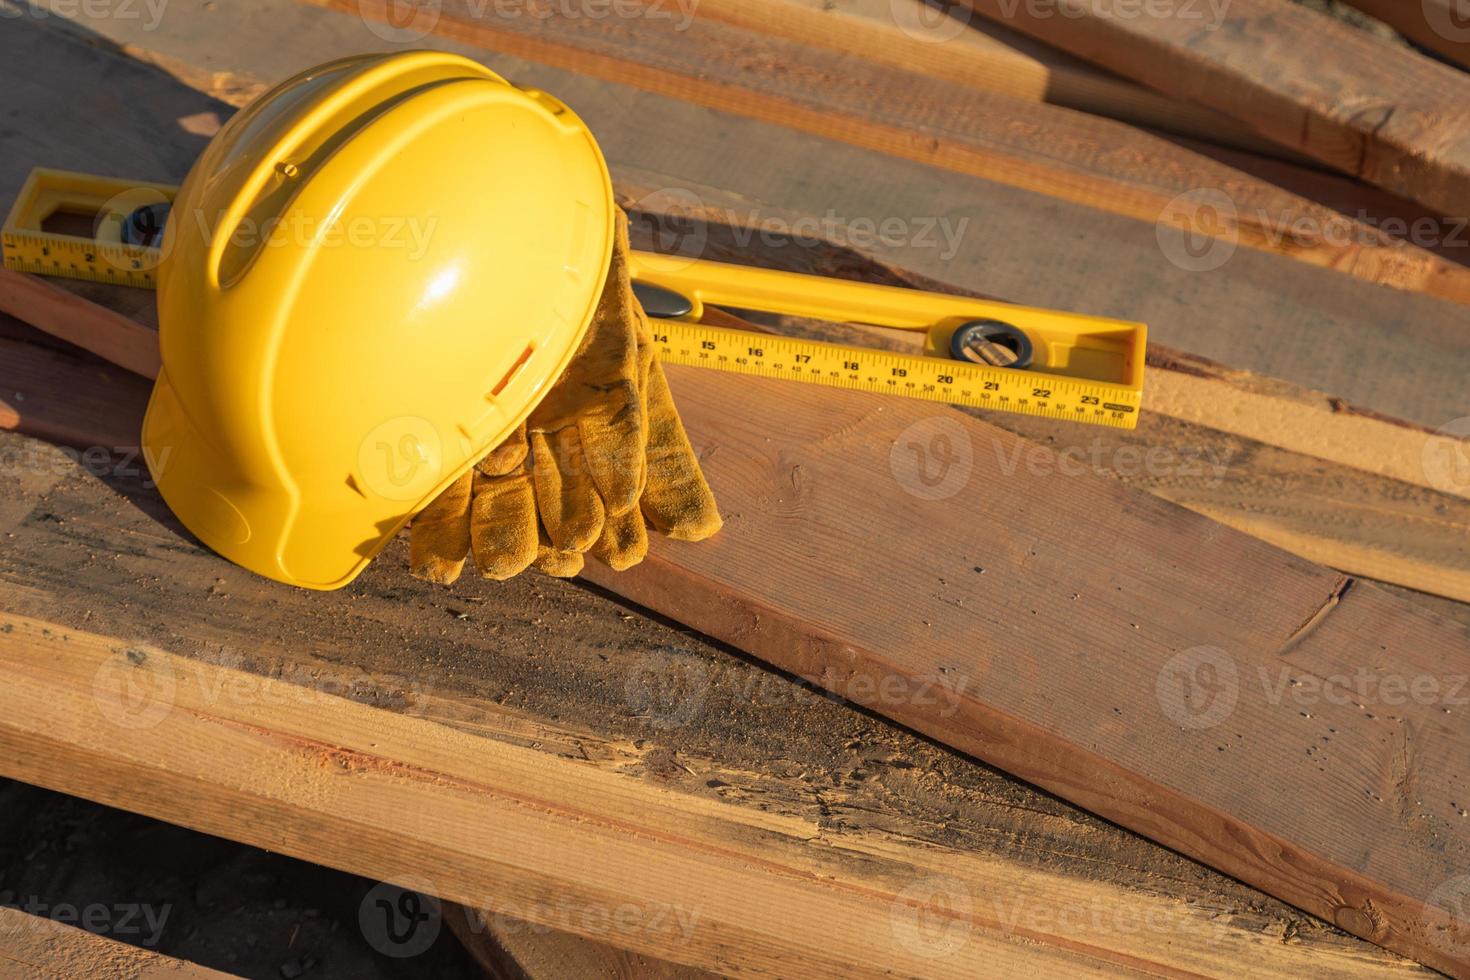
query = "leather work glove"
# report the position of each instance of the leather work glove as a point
(602, 453)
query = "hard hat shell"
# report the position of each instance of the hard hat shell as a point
(370, 278)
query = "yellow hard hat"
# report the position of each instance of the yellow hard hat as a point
(370, 278)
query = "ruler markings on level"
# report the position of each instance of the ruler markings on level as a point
(29, 249)
(886, 372)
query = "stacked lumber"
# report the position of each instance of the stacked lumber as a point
(1173, 670)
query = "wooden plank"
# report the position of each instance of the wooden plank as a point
(1241, 607)
(1281, 595)
(680, 726)
(36, 948)
(910, 35)
(1301, 469)
(510, 949)
(1409, 534)
(1083, 159)
(1442, 26)
(1361, 493)
(1257, 311)
(67, 316)
(1340, 95)
(52, 395)
(1098, 595)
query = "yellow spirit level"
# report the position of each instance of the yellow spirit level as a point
(978, 353)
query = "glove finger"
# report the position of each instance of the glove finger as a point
(624, 541)
(555, 562)
(614, 425)
(570, 509)
(439, 538)
(508, 457)
(503, 532)
(677, 500)
(613, 447)
(606, 358)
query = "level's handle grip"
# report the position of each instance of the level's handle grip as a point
(1054, 333)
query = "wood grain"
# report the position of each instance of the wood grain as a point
(938, 501)
(910, 35)
(1078, 158)
(1206, 603)
(1442, 26)
(37, 948)
(1067, 642)
(510, 949)
(70, 318)
(1276, 317)
(1340, 95)
(582, 685)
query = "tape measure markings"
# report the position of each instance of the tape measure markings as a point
(29, 248)
(886, 372)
